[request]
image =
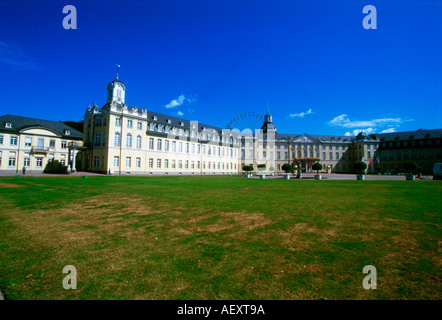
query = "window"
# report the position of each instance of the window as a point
(116, 161)
(286, 155)
(173, 146)
(186, 164)
(421, 155)
(331, 156)
(192, 165)
(39, 162)
(129, 123)
(52, 144)
(117, 139)
(368, 154)
(8, 125)
(398, 155)
(391, 155)
(1, 139)
(11, 161)
(158, 163)
(198, 165)
(64, 144)
(151, 143)
(96, 162)
(28, 141)
(97, 140)
(173, 164)
(264, 154)
(117, 122)
(337, 155)
(128, 160)
(26, 162)
(180, 147)
(166, 145)
(138, 162)
(159, 144)
(98, 122)
(187, 148)
(180, 164)
(13, 141)
(323, 156)
(150, 163)
(139, 126)
(413, 155)
(139, 142)
(405, 154)
(166, 163)
(198, 149)
(430, 154)
(129, 140)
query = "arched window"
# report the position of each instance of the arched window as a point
(139, 141)
(117, 139)
(129, 140)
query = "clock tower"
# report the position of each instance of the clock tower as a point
(116, 91)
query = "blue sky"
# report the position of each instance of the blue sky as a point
(310, 62)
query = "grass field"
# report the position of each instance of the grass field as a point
(219, 237)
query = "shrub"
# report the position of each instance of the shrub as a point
(317, 166)
(261, 166)
(287, 167)
(360, 167)
(247, 168)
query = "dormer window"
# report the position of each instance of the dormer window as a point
(8, 125)
(67, 132)
(169, 121)
(154, 118)
(181, 123)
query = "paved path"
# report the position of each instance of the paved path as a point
(305, 176)
(40, 174)
(337, 176)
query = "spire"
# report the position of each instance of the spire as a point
(268, 123)
(118, 68)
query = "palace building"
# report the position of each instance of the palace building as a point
(119, 139)
(35, 144)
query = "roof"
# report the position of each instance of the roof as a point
(174, 121)
(19, 123)
(407, 135)
(320, 138)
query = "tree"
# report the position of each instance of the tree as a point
(360, 167)
(287, 167)
(77, 125)
(410, 167)
(317, 166)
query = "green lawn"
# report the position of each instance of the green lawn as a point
(219, 237)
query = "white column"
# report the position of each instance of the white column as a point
(74, 155)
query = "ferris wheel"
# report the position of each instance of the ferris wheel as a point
(246, 122)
